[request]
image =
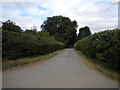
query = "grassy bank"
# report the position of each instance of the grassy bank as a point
(108, 73)
(19, 62)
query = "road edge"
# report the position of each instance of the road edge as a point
(97, 67)
(23, 62)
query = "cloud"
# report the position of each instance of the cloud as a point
(97, 14)
(16, 4)
(113, 1)
(24, 22)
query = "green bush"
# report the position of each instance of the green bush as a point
(103, 48)
(16, 45)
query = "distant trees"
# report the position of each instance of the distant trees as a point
(28, 31)
(62, 28)
(83, 32)
(32, 31)
(10, 26)
(59, 27)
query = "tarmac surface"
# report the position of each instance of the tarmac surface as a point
(64, 70)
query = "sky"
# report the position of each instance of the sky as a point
(99, 15)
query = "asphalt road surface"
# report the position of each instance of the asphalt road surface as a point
(64, 70)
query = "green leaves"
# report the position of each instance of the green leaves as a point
(83, 32)
(10, 26)
(62, 28)
(16, 45)
(102, 47)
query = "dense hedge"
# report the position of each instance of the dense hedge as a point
(16, 45)
(103, 48)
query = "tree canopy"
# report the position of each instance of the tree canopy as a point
(83, 32)
(32, 31)
(62, 28)
(10, 26)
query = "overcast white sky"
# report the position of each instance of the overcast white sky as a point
(97, 14)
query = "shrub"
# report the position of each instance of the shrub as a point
(103, 48)
(16, 45)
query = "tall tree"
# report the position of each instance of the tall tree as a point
(83, 32)
(62, 28)
(10, 26)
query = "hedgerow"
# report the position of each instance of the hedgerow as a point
(16, 45)
(102, 48)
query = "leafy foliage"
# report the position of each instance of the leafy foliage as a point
(103, 48)
(16, 45)
(32, 32)
(43, 34)
(62, 28)
(10, 26)
(83, 32)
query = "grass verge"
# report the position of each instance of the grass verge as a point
(98, 67)
(22, 61)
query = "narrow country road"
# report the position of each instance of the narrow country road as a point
(64, 70)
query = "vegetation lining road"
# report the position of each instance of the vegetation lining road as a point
(102, 49)
(56, 33)
(98, 67)
(19, 62)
